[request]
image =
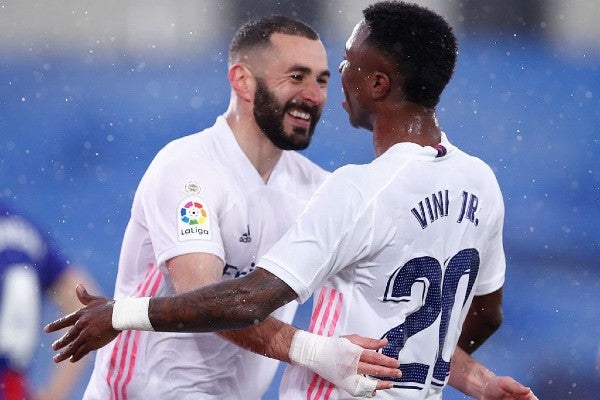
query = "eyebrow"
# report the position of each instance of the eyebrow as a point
(306, 70)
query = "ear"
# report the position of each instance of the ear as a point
(241, 81)
(381, 85)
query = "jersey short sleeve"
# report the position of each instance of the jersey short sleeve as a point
(325, 238)
(493, 263)
(178, 202)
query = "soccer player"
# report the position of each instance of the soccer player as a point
(408, 247)
(209, 206)
(32, 270)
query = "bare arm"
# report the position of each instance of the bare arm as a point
(242, 302)
(191, 271)
(271, 337)
(232, 304)
(484, 318)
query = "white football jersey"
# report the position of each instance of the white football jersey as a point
(396, 248)
(200, 194)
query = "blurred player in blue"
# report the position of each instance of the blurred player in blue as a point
(29, 263)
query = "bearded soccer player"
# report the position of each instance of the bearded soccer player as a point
(208, 207)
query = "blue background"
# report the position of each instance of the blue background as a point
(77, 134)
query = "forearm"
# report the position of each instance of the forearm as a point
(233, 304)
(468, 375)
(271, 338)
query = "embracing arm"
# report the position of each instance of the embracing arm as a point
(232, 304)
(242, 302)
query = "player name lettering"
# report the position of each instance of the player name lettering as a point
(194, 230)
(436, 206)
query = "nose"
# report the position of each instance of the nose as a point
(315, 93)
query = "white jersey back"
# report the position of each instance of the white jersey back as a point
(402, 244)
(200, 194)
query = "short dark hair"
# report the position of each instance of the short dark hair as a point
(256, 33)
(419, 42)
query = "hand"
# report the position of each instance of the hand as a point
(373, 363)
(91, 327)
(343, 363)
(506, 388)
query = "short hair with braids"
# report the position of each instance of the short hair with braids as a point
(256, 34)
(419, 42)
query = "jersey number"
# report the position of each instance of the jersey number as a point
(436, 295)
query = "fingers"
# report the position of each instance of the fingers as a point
(365, 387)
(74, 352)
(383, 385)
(531, 396)
(74, 345)
(82, 294)
(64, 322)
(378, 370)
(66, 339)
(67, 343)
(366, 342)
(373, 363)
(372, 357)
(78, 352)
(509, 385)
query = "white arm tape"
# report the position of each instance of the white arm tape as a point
(131, 313)
(334, 358)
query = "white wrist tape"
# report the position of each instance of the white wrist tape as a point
(131, 313)
(335, 359)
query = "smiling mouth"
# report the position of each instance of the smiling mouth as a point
(300, 115)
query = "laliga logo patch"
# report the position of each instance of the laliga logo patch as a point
(193, 221)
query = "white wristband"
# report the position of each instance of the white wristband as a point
(334, 358)
(131, 313)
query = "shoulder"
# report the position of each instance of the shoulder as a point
(194, 152)
(472, 163)
(180, 150)
(192, 162)
(483, 174)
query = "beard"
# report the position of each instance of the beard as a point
(269, 114)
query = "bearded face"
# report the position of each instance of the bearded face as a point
(272, 116)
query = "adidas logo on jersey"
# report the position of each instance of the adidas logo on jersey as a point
(246, 238)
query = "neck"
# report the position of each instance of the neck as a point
(405, 122)
(256, 145)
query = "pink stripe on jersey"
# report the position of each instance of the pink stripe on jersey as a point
(122, 361)
(317, 311)
(136, 339)
(325, 318)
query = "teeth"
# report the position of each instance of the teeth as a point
(300, 114)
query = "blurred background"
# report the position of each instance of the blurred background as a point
(89, 91)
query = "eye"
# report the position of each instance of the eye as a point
(342, 65)
(323, 80)
(297, 77)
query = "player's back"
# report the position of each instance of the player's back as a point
(434, 221)
(421, 236)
